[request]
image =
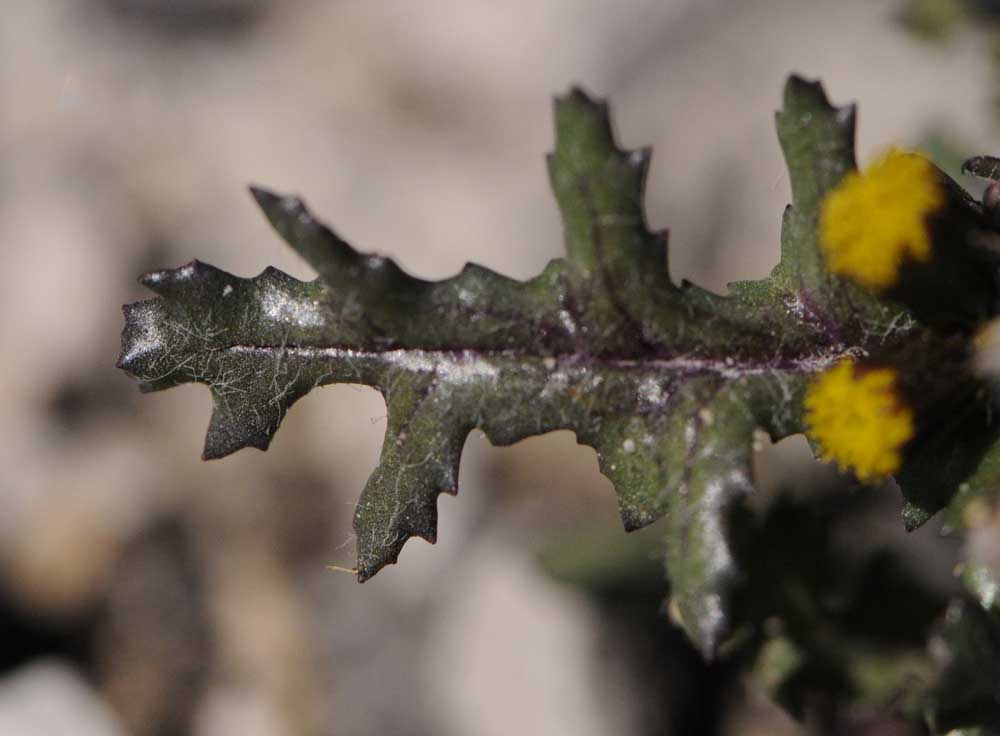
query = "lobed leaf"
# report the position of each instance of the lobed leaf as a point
(667, 382)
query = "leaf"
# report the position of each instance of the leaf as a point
(817, 140)
(955, 464)
(973, 511)
(822, 627)
(666, 382)
(968, 650)
(980, 489)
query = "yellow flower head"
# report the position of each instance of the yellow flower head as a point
(872, 222)
(859, 419)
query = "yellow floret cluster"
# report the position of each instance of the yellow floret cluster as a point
(859, 419)
(874, 221)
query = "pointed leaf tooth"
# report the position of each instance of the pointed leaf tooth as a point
(817, 139)
(136, 336)
(148, 346)
(621, 278)
(700, 561)
(265, 198)
(692, 465)
(160, 282)
(381, 535)
(419, 518)
(333, 259)
(598, 184)
(193, 281)
(250, 402)
(232, 428)
(419, 461)
(914, 516)
(631, 455)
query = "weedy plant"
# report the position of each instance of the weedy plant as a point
(872, 335)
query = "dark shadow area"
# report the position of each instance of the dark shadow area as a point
(224, 18)
(25, 636)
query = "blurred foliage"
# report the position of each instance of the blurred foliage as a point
(825, 630)
(934, 19)
(968, 647)
(838, 640)
(937, 19)
(940, 20)
(622, 576)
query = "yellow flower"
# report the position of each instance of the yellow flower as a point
(859, 419)
(873, 222)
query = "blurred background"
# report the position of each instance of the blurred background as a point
(143, 591)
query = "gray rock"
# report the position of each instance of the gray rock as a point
(51, 698)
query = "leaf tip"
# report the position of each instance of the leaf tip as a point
(372, 559)
(798, 89)
(369, 564)
(265, 198)
(914, 516)
(126, 359)
(158, 282)
(635, 517)
(220, 444)
(237, 423)
(189, 279)
(582, 117)
(803, 96)
(577, 95)
(282, 210)
(142, 340)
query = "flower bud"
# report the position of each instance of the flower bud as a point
(905, 230)
(888, 413)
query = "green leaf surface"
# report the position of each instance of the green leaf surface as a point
(958, 463)
(979, 489)
(970, 511)
(968, 650)
(667, 382)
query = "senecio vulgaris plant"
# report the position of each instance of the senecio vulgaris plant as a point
(873, 335)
